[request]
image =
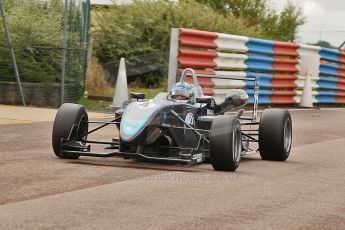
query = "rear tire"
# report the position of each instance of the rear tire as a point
(275, 134)
(225, 143)
(67, 116)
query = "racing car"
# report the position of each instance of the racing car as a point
(182, 126)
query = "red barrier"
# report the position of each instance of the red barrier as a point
(286, 49)
(341, 71)
(282, 97)
(196, 58)
(340, 98)
(207, 91)
(284, 81)
(203, 81)
(341, 86)
(197, 38)
(285, 65)
(342, 57)
(341, 80)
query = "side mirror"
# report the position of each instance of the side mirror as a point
(137, 95)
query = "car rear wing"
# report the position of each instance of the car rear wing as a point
(191, 72)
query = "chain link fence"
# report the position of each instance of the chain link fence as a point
(36, 34)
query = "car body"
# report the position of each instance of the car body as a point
(164, 129)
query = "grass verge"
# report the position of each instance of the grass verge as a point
(93, 104)
(101, 104)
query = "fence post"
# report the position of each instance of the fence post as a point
(85, 37)
(64, 53)
(7, 31)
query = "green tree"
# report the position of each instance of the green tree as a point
(142, 29)
(32, 23)
(247, 9)
(36, 32)
(258, 13)
(284, 25)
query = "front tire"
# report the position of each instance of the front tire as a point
(67, 116)
(225, 143)
(275, 134)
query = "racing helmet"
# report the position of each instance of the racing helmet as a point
(182, 91)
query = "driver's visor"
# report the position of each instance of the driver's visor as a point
(179, 97)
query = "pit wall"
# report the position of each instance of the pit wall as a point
(280, 66)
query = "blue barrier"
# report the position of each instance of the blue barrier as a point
(260, 46)
(259, 63)
(329, 54)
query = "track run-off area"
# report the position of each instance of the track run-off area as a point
(40, 191)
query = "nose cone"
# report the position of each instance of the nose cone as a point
(130, 128)
(135, 118)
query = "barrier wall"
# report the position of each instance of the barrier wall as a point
(332, 76)
(276, 64)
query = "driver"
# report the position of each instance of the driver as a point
(182, 91)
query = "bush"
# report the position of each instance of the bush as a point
(36, 28)
(96, 80)
(34, 65)
(143, 28)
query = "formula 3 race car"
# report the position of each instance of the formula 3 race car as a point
(165, 129)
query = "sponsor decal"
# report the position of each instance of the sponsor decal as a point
(197, 157)
(190, 119)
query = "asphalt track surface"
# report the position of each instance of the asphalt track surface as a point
(40, 191)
